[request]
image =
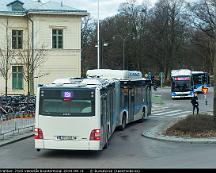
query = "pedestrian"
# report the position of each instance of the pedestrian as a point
(195, 103)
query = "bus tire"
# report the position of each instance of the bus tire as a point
(107, 143)
(123, 125)
(107, 139)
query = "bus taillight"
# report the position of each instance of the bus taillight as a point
(38, 133)
(95, 135)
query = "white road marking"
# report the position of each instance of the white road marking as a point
(168, 112)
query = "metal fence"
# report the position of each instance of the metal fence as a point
(16, 124)
(16, 114)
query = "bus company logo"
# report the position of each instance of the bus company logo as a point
(67, 94)
(134, 74)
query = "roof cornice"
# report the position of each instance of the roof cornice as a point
(12, 14)
(79, 13)
(4, 13)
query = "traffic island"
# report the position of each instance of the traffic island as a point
(170, 131)
(198, 126)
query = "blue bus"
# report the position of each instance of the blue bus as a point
(181, 84)
(200, 80)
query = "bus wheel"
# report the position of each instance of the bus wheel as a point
(123, 125)
(38, 150)
(107, 140)
(107, 143)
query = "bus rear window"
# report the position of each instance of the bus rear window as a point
(57, 103)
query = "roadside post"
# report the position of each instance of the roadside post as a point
(149, 75)
(161, 75)
(205, 91)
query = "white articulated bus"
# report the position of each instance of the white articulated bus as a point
(133, 96)
(82, 114)
(75, 114)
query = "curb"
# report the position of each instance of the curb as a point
(158, 131)
(15, 138)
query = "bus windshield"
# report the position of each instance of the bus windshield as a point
(181, 85)
(201, 78)
(66, 102)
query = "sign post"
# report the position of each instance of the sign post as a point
(161, 75)
(205, 91)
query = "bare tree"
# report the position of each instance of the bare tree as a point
(6, 57)
(167, 29)
(31, 60)
(204, 15)
(165, 39)
(88, 38)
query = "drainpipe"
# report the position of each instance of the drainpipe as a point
(32, 70)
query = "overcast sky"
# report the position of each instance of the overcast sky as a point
(107, 7)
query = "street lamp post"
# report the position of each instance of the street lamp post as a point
(98, 39)
(123, 47)
(104, 44)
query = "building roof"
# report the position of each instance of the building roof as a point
(35, 6)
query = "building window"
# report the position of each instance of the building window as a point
(57, 39)
(17, 77)
(17, 39)
(16, 5)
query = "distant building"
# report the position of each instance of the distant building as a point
(34, 25)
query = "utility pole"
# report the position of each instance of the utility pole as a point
(98, 39)
(123, 47)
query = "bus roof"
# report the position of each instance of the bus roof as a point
(68, 80)
(198, 72)
(181, 72)
(115, 74)
(79, 83)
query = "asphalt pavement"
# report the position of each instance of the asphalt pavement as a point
(11, 138)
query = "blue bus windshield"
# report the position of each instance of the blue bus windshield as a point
(181, 85)
(201, 78)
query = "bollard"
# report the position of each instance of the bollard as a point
(1, 124)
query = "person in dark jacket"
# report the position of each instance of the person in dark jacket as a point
(195, 103)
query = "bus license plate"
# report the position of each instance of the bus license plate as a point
(66, 137)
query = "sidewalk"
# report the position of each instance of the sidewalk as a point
(11, 138)
(158, 133)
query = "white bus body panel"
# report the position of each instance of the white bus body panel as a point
(181, 72)
(197, 72)
(115, 74)
(77, 127)
(183, 95)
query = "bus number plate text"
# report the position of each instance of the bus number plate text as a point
(66, 137)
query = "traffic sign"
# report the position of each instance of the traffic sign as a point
(161, 74)
(205, 90)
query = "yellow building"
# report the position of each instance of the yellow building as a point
(29, 28)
